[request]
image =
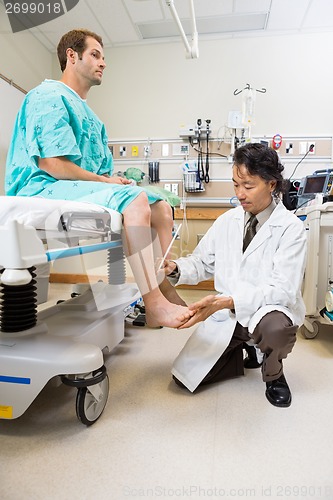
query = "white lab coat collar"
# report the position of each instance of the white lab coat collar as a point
(276, 219)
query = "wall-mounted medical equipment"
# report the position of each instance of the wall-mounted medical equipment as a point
(203, 164)
(199, 137)
(154, 171)
(191, 177)
(277, 141)
(235, 119)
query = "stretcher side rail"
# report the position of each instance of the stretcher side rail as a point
(102, 221)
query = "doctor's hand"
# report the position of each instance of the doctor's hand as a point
(168, 266)
(205, 308)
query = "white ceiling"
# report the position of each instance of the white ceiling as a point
(132, 22)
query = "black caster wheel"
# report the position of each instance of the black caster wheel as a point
(91, 401)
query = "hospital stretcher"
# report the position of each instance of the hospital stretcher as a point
(65, 342)
(318, 278)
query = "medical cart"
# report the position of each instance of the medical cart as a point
(318, 279)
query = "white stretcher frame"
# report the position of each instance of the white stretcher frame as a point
(67, 340)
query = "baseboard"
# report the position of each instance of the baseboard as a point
(83, 278)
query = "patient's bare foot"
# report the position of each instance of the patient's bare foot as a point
(161, 312)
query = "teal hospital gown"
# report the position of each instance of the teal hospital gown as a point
(55, 121)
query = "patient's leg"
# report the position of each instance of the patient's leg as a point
(138, 248)
(170, 293)
(162, 224)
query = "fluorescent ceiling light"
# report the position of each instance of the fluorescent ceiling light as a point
(206, 26)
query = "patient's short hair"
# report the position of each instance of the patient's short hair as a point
(76, 40)
(263, 161)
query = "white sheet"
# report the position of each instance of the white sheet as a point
(45, 214)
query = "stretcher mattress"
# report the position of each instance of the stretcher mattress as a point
(44, 214)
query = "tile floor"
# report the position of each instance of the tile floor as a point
(155, 440)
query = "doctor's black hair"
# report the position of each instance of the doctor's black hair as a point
(262, 161)
(76, 40)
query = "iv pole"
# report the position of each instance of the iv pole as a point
(192, 51)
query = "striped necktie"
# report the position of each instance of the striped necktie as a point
(250, 231)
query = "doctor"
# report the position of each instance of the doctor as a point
(257, 276)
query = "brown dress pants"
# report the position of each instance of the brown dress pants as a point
(275, 335)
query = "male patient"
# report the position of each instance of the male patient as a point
(59, 150)
(256, 254)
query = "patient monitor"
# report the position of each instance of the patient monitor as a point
(320, 182)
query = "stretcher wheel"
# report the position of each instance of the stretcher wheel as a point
(88, 408)
(308, 334)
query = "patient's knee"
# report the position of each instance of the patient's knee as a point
(138, 210)
(161, 214)
(164, 209)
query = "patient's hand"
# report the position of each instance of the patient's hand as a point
(61, 168)
(116, 180)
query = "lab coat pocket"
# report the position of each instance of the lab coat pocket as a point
(221, 315)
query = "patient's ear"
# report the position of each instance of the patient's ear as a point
(71, 55)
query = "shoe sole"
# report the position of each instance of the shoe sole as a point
(252, 367)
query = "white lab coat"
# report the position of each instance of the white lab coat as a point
(267, 277)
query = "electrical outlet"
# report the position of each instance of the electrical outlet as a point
(289, 148)
(180, 149)
(167, 187)
(303, 147)
(165, 150)
(174, 189)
